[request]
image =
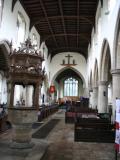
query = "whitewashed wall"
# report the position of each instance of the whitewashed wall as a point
(8, 28)
(8, 31)
(107, 27)
(55, 65)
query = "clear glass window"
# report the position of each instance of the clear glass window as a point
(21, 28)
(71, 87)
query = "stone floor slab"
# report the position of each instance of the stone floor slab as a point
(59, 145)
(35, 153)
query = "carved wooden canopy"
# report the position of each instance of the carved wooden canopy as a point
(26, 64)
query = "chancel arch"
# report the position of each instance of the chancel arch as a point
(73, 69)
(69, 80)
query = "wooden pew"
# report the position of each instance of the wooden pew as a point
(75, 111)
(3, 123)
(93, 135)
(46, 111)
(94, 130)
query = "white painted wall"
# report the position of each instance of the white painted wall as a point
(8, 31)
(55, 64)
(107, 28)
(8, 28)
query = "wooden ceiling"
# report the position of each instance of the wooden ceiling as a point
(64, 25)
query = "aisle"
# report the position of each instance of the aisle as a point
(63, 147)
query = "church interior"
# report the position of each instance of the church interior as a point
(60, 79)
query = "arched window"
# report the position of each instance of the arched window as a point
(34, 39)
(1, 10)
(21, 27)
(71, 87)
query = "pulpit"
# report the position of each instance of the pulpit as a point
(25, 78)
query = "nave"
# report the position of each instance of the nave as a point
(62, 146)
(53, 52)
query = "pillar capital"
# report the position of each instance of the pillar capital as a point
(103, 83)
(115, 71)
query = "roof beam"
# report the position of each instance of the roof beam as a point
(46, 16)
(82, 35)
(54, 49)
(63, 21)
(53, 52)
(88, 19)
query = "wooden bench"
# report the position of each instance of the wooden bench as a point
(70, 117)
(46, 111)
(94, 130)
(4, 124)
(93, 135)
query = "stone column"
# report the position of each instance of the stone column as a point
(53, 97)
(95, 98)
(59, 95)
(90, 95)
(90, 98)
(12, 94)
(102, 96)
(116, 89)
(36, 97)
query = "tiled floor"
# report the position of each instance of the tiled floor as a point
(63, 147)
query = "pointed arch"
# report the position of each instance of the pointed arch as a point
(116, 47)
(13, 4)
(4, 55)
(105, 62)
(76, 71)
